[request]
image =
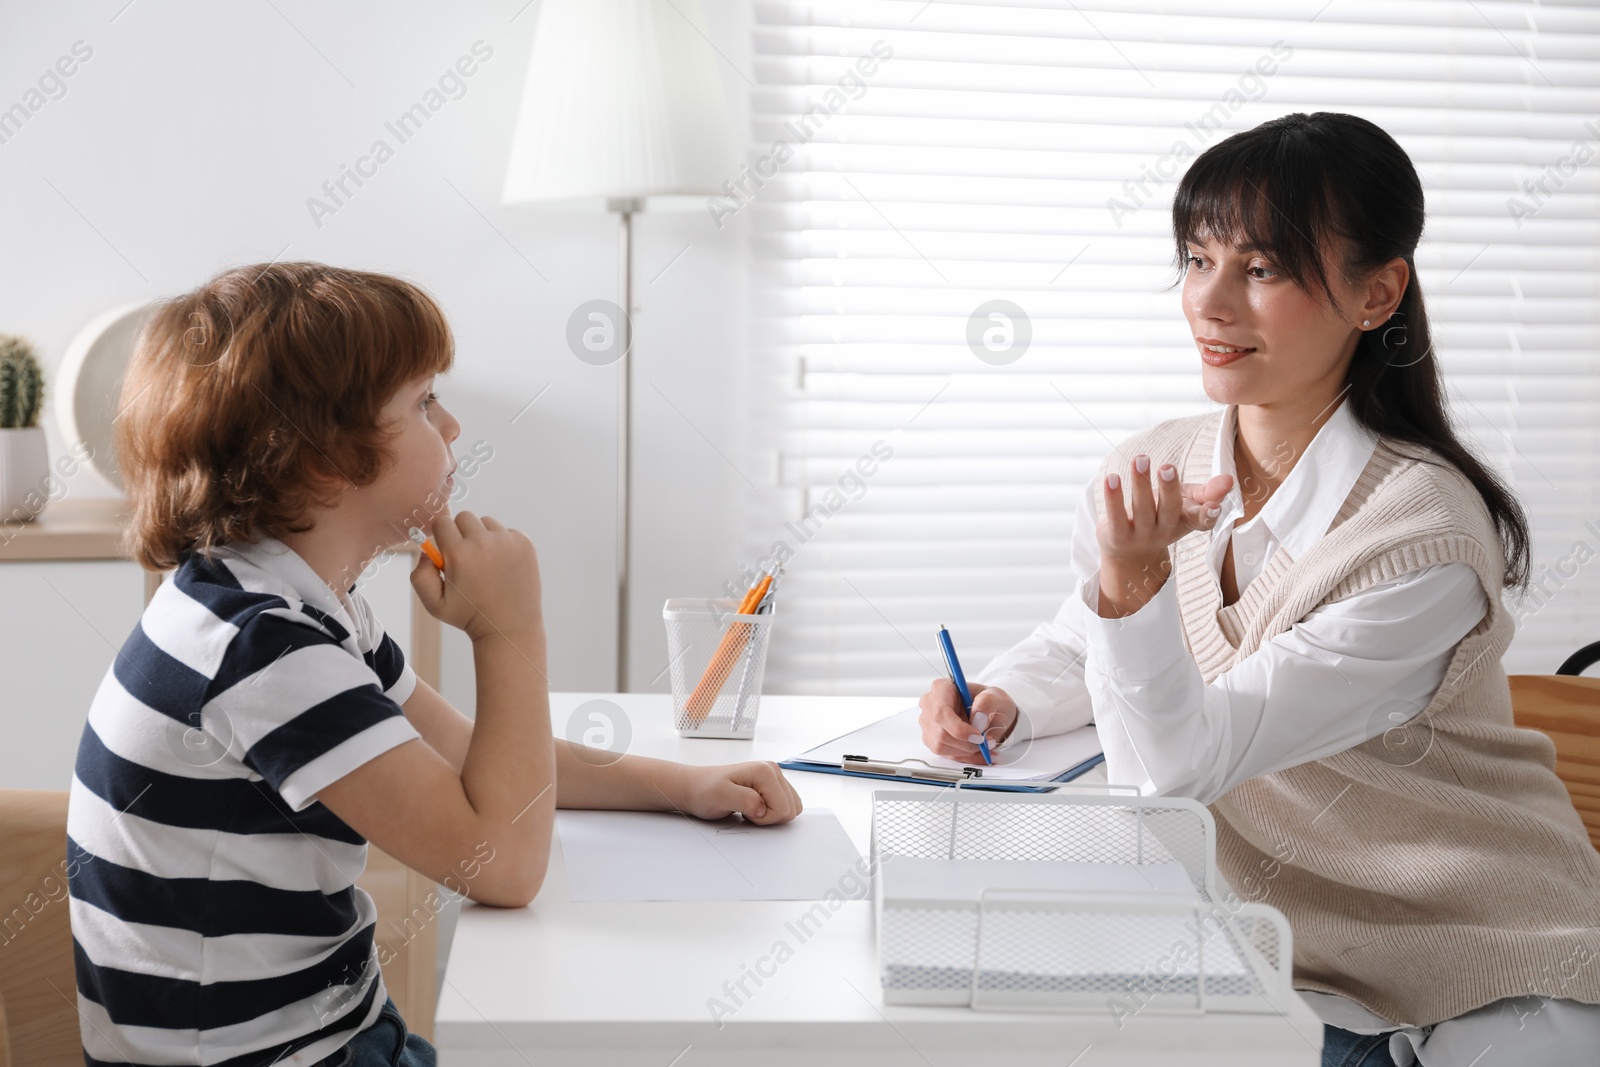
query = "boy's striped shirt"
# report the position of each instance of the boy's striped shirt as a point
(214, 913)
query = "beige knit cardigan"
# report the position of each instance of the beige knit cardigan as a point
(1437, 867)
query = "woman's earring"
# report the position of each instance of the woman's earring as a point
(1366, 322)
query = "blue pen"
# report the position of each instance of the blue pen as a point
(954, 666)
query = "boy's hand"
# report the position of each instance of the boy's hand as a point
(490, 582)
(757, 790)
(946, 731)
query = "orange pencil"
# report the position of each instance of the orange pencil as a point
(427, 547)
(727, 654)
(749, 599)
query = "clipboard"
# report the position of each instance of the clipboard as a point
(890, 749)
(968, 778)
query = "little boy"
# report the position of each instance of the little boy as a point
(278, 431)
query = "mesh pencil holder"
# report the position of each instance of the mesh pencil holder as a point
(716, 658)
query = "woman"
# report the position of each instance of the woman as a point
(1316, 654)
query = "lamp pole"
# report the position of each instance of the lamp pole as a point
(625, 209)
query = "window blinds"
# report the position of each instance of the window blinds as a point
(914, 163)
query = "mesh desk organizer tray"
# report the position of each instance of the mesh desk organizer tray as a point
(1065, 902)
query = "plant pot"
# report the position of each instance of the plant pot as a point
(24, 474)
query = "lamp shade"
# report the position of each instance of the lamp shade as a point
(622, 100)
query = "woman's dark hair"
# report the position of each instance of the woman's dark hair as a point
(1292, 187)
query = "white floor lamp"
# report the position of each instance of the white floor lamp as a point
(622, 102)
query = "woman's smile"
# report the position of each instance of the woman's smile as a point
(1227, 354)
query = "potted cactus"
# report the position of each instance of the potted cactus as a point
(24, 460)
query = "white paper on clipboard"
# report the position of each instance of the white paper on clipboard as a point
(899, 737)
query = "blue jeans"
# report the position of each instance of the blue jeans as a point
(1343, 1048)
(386, 1043)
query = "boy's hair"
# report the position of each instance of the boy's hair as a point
(240, 392)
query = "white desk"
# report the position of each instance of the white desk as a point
(606, 984)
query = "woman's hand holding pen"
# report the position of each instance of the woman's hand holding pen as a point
(945, 729)
(1135, 534)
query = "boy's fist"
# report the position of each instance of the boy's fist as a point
(757, 790)
(490, 582)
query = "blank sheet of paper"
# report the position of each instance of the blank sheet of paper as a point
(652, 855)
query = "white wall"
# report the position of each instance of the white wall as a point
(191, 140)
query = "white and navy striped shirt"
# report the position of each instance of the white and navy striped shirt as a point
(215, 918)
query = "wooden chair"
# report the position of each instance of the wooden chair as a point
(1567, 708)
(38, 991)
(38, 987)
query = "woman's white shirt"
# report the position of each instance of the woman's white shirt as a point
(1347, 672)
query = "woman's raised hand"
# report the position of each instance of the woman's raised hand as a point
(1144, 515)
